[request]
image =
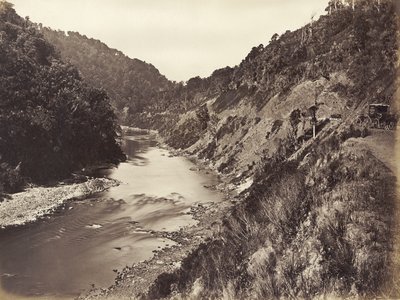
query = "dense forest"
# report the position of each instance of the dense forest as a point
(131, 83)
(51, 121)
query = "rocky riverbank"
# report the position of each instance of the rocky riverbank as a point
(33, 203)
(136, 281)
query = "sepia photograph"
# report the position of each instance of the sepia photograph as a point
(187, 149)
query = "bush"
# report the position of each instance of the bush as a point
(11, 180)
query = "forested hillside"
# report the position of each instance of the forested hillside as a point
(131, 83)
(51, 122)
(344, 60)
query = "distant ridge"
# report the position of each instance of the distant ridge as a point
(131, 83)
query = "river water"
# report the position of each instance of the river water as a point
(87, 240)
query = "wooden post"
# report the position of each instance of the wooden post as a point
(313, 110)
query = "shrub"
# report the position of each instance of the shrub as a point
(11, 180)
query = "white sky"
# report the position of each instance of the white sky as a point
(182, 38)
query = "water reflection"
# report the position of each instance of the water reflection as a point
(85, 241)
(133, 146)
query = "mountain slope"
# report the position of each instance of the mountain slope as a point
(342, 62)
(132, 84)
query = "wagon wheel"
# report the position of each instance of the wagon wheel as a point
(367, 121)
(390, 125)
(386, 126)
(360, 120)
(375, 123)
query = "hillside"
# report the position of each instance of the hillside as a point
(315, 217)
(342, 61)
(237, 116)
(131, 83)
(51, 121)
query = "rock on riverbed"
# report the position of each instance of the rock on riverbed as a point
(33, 203)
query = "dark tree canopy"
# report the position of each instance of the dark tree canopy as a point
(51, 122)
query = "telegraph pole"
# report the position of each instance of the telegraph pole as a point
(313, 111)
(314, 121)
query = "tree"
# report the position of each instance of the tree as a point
(274, 37)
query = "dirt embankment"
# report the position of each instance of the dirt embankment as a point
(382, 145)
(319, 223)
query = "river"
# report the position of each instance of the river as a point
(87, 240)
